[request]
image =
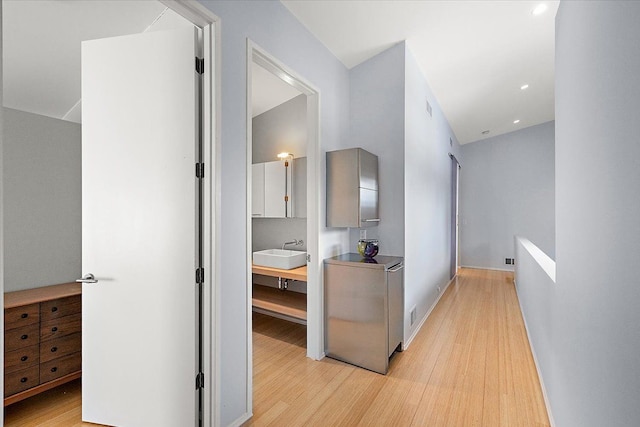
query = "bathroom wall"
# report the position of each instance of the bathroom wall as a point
(42, 200)
(282, 129)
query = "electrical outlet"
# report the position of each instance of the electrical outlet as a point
(363, 234)
(413, 315)
(507, 261)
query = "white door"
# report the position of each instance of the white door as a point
(139, 229)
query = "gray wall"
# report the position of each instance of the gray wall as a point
(275, 29)
(591, 342)
(427, 194)
(281, 129)
(42, 195)
(507, 188)
(389, 118)
(1, 217)
(376, 115)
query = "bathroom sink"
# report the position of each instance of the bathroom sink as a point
(280, 258)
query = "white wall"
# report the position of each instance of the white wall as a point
(42, 195)
(590, 366)
(427, 194)
(275, 29)
(507, 188)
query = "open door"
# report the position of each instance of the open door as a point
(140, 229)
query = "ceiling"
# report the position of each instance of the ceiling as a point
(475, 55)
(41, 47)
(268, 90)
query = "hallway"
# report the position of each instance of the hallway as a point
(469, 365)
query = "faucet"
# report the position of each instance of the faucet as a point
(293, 242)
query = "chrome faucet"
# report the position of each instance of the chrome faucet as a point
(293, 242)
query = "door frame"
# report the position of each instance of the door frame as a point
(315, 327)
(205, 19)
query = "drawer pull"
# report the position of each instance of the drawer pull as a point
(54, 369)
(54, 349)
(23, 379)
(24, 337)
(54, 309)
(24, 315)
(24, 358)
(54, 329)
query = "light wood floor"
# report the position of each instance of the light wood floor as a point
(470, 365)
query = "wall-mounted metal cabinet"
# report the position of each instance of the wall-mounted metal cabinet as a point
(352, 188)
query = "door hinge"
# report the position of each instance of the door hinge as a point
(199, 380)
(199, 65)
(199, 170)
(308, 258)
(200, 275)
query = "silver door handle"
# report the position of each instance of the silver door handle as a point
(88, 278)
(371, 220)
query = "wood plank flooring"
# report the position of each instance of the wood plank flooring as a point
(470, 365)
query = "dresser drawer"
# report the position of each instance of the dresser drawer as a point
(21, 337)
(21, 358)
(59, 347)
(60, 327)
(21, 380)
(21, 316)
(60, 307)
(60, 367)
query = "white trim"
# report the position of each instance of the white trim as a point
(204, 18)
(249, 229)
(241, 419)
(535, 361)
(315, 333)
(487, 268)
(424, 319)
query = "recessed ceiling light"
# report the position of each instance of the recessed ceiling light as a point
(523, 87)
(484, 132)
(539, 9)
(515, 122)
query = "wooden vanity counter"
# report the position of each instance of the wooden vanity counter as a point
(299, 273)
(285, 304)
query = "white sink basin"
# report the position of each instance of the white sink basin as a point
(279, 258)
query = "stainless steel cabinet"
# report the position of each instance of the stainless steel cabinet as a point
(363, 309)
(352, 188)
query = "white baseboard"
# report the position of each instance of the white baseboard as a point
(405, 345)
(535, 361)
(239, 421)
(486, 268)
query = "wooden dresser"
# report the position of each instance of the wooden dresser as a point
(42, 339)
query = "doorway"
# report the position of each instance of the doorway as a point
(202, 18)
(300, 204)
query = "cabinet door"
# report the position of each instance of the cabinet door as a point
(257, 190)
(274, 189)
